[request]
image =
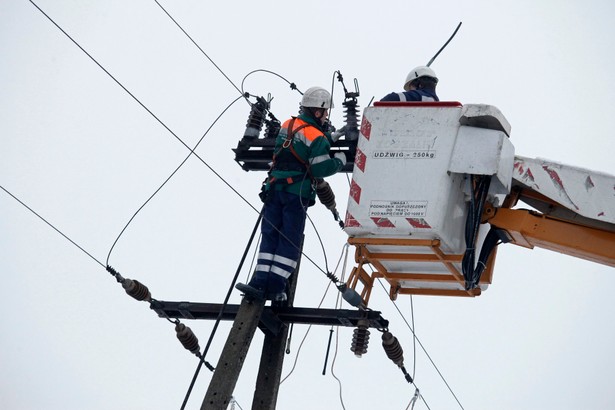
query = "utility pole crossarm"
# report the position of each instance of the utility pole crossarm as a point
(325, 317)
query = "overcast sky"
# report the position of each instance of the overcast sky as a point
(78, 149)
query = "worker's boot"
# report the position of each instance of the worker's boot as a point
(257, 286)
(276, 291)
(251, 292)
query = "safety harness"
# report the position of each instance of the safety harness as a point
(282, 161)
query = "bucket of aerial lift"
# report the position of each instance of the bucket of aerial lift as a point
(408, 201)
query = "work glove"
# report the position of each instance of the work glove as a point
(341, 156)
(335, 135)
(327, 126)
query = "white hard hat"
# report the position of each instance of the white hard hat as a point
(316, 97)
(417, 72)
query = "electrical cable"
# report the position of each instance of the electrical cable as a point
(219, 318)
(202, 356)
(337, 339)
(299, 348)
(479, 189)
(292, 85)
(181, 141)
(228, 296)
(345, 248)
(413, 339)
(197, 46)
(145, 107)
(416, 391)
(445, 44)
(138, 291)
(241, 91)
(53, 227)
(142, 105)
(331, 277)
(339, 382)
(332, 90)
(423, 348)
(170, 176)
(111, 76)
(168, 129)
(176, 136)
(322, 245)
(414, 399)
(304, 338)
(337, 305)
(234, 403)
(254, 258)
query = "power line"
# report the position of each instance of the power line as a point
(291, 84)
(162, 123)
(199, 47)
(422, 347)
(170, 176)
(144, 106)
(53, 227)
(241, 91)
(109, 74)
(310, 326)
(413, 338)
(165, 126)
(219, 318)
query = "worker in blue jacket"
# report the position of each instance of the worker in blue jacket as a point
(301, 157)
(420, 85)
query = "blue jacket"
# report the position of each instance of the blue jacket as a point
(414, 95)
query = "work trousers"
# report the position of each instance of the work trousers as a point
(282, 232)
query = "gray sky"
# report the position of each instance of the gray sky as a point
(81, 152)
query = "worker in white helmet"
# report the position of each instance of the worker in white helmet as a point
(420, 85)
(301, 156)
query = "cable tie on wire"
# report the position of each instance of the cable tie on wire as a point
(406, 375)
(414, 399)
(332, 277)
(115, 273)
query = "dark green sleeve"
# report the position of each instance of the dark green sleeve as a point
(321, 165)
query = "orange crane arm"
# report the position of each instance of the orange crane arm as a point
(530, 229)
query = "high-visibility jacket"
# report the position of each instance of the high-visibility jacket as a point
(412, 95)
(303, 158)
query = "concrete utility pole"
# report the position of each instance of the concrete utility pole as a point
(272, 360)
(273, 321)
(233, 355)
(236, 348)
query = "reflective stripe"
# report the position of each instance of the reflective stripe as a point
(286, 261)
(319, 159)
(263, 268)
(402, 96)
(266, 256)
(281, 272)
(425, 98)
(300, 137)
